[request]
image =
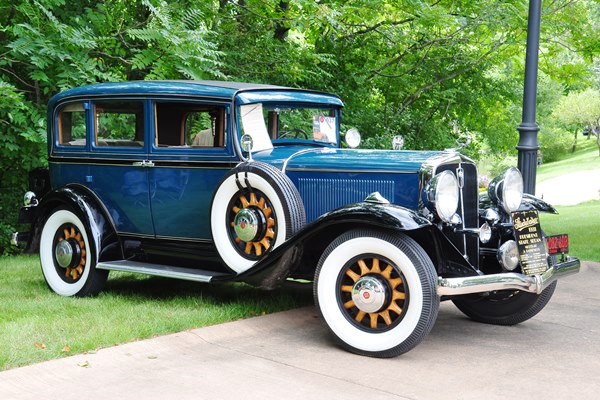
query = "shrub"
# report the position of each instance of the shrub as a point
(554, 143)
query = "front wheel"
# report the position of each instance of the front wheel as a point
(68, 257)
(376, 292)
(505, 307)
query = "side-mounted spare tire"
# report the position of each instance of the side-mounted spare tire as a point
(255, 209)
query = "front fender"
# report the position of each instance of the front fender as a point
(298, 256)
(89, 209)
(530, 202)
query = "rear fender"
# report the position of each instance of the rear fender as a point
(92, 213)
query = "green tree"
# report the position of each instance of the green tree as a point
(406, 67)
(578, 110)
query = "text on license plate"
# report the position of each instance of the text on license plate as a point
(558, 244)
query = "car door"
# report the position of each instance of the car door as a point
(117, 170)
(190, 154)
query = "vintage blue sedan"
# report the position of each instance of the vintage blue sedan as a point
(220, 181)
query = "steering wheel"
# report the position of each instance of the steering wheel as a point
(294, 133)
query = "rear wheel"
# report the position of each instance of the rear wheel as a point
(68, 257)
(376, 292)
(506, 307)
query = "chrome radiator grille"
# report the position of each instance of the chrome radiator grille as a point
(468, 208)
(322, 195)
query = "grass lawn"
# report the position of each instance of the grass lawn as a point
(582, 223)
(38, 325)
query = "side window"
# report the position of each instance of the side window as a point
(71, 125)
(189, 125)
(119, 123)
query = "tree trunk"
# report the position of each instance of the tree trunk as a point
(282, 26)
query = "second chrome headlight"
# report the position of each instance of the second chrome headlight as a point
(442, 195)
(506, 189)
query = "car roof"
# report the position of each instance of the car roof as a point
(214, 89)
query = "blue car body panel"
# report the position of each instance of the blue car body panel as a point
(172, 199)
(329, 178)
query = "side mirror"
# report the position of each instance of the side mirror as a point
(247, 143)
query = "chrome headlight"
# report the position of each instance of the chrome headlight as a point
(506, 189)
(352, 138)
(508, 255)
(442, 195)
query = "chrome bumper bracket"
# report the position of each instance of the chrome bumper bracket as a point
(19, 237)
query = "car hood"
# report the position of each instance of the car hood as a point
(301, 158)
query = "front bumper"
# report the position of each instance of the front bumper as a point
(507, 281)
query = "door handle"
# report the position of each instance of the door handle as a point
(143, 164)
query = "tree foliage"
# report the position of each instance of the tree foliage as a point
(408, 67)
(577, 111)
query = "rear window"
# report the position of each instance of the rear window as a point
(71, 125)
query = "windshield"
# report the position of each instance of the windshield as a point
(270, 124)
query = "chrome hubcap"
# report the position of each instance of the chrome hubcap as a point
(64, 253)
(369, 294)
(246, 224)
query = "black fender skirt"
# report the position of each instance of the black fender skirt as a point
(92, 213)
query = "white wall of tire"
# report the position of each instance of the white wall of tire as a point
(56, 283)
(330, 308)
(220, 230)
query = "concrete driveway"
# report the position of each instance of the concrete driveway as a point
(570, 189)
(290, 355)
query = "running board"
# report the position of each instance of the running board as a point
(165, 271)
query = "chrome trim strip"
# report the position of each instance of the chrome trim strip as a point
(507, 281)
(133, 235)
(461, 193)
(128, 163)
(300, 152)
(164, 271)
(184, 239)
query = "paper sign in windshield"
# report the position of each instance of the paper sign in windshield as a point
(324, 129)
(253, 123)
(532, 250)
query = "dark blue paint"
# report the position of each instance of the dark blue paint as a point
(172, 199)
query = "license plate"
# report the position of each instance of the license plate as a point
(558, 244)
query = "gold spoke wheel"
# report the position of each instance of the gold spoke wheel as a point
(70, 238)
(373, 293)
(252, 224)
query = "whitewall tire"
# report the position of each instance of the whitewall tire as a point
(376, 292)
(67, 257)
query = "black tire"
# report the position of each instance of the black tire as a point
(505, 307)
(68, 256)
(263, 204)
(371, 309)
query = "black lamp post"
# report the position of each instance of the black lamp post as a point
(528, 129)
